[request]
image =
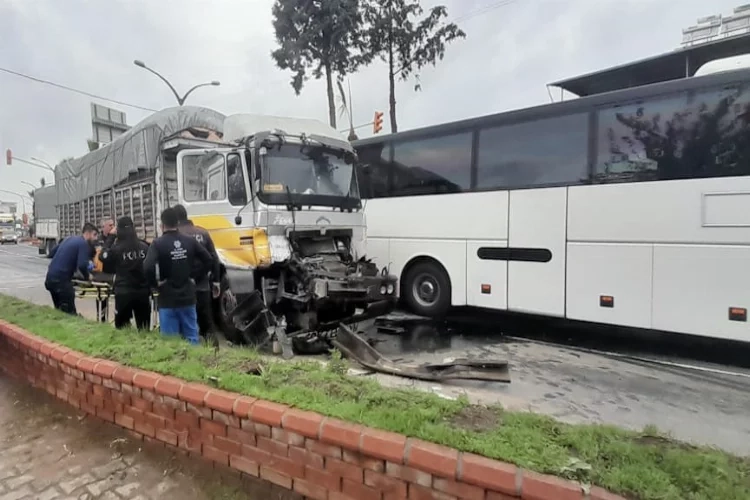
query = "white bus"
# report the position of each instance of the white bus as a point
(627, 208)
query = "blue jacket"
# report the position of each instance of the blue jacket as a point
(71, 255)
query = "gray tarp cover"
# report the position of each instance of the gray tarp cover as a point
(138, 148)
(45, 203)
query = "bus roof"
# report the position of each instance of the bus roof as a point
(581, 105)
(675, 65)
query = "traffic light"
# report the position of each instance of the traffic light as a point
(377, 123)
(8, 157)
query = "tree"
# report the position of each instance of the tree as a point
(322, 37)
(396, 34)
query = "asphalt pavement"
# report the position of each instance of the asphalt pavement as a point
(703, 404)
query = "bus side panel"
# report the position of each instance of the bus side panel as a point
(695, 286)
(486, 280)
(620, 271)
(536, 282)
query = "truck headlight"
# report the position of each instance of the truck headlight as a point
(261, 248)
(382, 289)
(390, 288)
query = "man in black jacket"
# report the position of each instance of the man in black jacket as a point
(170, 265)
(207, 279)
(125, 256)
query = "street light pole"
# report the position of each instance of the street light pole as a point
(180, 100)
(41, 164)
(23, 198)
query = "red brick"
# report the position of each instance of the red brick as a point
(310, 490)
(129, 389)
(273, 447)
(174, 403)
(105, 369)
(200, 411)
(58, 353)
(346, 470)
(134, 413)
(124, 421)
(341, 433)
(328, 480)
(143, 427)
(164, 410)
(105, 414)
(261, 430)
(304, 423)
(166, 436)
(276, 478)
(220, 401)
(363, 461)
(188, 442)
(244, 465)
(145, 380)
(495, 495)
(542, 487)
(409, 474)
(432, 458)
(95, 400)
(46, 348)
(186, 420)
(72, 359)
(391, 486)
(417, 492)
(242, 406)
(356, 489)
(458, 489)
(100, 390)
(228, 445)
(194, 394)
(121, 398)
(265, 412)
(122, 375)
(289, 438)
(228, 420)
(93, 379)
(385, 445)
(216, 455)
(255, 454)
(108, 383)
(168, 386)
(598, 493)
(157, 421)
(286, 466)
(151, 396)
(302, 456)
(487, 473)
(141, 404)
(213, 428)
(241, 436)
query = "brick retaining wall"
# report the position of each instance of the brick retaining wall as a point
(315, 456)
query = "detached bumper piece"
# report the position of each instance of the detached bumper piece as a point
(359, 289)
(357, 349)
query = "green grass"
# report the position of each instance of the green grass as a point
(642, 465)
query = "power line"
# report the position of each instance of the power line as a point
(71, 89)
(484, 9)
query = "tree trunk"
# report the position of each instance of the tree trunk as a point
(331, 101)
(391, 88)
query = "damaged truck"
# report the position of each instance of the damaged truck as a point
(279, 197)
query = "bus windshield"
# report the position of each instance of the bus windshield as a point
(310, 174)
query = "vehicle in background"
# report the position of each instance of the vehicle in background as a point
(46, 226)
(279, 197)
(8, 229)
(628, 207)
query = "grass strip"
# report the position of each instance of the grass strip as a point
(644, 466)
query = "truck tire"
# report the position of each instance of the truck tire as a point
(224, 321)
(48, 246)
(426, 290)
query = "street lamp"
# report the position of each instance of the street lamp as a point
(39, 163)
(180, 100)
(30, 185)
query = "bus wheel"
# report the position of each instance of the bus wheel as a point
(427, 289)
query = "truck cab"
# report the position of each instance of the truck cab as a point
(284, 212)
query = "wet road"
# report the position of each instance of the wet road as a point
(698, 406)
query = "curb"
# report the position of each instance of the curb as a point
(315, 456)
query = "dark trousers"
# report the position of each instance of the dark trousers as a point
(129, 304)
(204, 308)
(63, 295)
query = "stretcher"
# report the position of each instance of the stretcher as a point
(99, 289)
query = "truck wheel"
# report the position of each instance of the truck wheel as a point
(48, 248)
(225, 303)
(426, 289)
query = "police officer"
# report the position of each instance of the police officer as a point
(207, 279)
(72, 255)
(132, 294)
(170, 265)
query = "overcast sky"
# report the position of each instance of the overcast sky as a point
(512, 49)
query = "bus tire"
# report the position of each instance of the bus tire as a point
(427, 289)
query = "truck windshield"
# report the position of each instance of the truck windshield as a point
(311, 174)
